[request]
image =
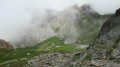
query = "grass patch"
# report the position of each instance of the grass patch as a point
(51, 45)
(57, 30)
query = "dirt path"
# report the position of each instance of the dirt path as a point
(9, 61)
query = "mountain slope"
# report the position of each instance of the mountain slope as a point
(104, 51)
(71, 25)
(20, 56)
(76, 25)
(89, 26)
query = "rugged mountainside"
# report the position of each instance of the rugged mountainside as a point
(73, 24)
(5, 45)
(105, 50)
(76, 25)
(70, 24)
(87, 27)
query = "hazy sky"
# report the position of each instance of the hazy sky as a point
(16, 14)
(104, 6)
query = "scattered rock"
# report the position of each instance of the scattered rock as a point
(7, 65)
(57, 46)
(81, 46)
(28, 53)
(50, 60)
(23, 58)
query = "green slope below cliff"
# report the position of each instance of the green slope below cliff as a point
(21, 55)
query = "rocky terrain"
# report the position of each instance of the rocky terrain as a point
(70, 32)
(103, 52)
(5, 45)
(86, 24)
(50, 60)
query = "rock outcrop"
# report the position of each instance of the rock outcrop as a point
(5, 45)
(105, 50)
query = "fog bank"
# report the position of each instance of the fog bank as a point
(33, 21)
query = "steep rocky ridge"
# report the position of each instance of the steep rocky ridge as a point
(105, 50)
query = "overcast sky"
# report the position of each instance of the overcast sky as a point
(15, 14)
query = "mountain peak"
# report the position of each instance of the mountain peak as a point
(117, 12)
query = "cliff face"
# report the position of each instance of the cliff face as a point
(5, 45)
(105, 50)
(108, 38)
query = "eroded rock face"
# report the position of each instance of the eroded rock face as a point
(108, 38)
(105, 50)
(5, 45)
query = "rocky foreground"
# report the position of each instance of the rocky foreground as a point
(50, 60)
